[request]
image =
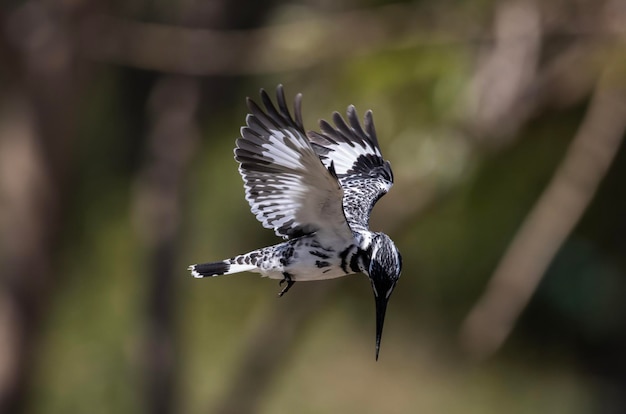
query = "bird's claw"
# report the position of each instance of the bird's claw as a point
(290, 283)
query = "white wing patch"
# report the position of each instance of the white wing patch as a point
(287, 186)
(279, 153)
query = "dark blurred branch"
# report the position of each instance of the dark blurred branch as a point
(552, 219)
(29, 217)
(158, 200)
(174, 104)
(237, 52)
(562, 81)
(505, 71)
(511, 85)
(34, 186)
(500, 100)
(302, 44)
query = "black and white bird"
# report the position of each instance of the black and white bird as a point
(316, 190)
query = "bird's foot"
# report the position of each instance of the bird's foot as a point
(290, 283)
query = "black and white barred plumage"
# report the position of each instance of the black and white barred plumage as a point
(316, 190)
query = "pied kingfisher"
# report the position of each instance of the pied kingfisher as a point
(316, 190)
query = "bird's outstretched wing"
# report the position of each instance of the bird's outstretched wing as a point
(354, 152)
(288, 187)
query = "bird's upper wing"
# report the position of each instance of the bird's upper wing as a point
(354, 152)
(288, 187)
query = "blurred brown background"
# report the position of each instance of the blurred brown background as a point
(503, 121)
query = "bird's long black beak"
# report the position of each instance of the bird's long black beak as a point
(381, 308)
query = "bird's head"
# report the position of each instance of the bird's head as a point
(384, 272)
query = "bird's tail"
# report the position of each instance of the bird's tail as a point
(224, 267)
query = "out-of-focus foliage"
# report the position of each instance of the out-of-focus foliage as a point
(117, 124)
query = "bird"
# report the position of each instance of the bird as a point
(316, 190)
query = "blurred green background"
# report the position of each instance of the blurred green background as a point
(117, 126)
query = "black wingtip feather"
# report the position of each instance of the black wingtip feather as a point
(353, 118)
(276, 116)
(331, 170)
(297, 109)
(343, 129)
(368, 122)
(257, 124)
(282, 103)
(271, 111)
(320, 140)
(326, 128)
